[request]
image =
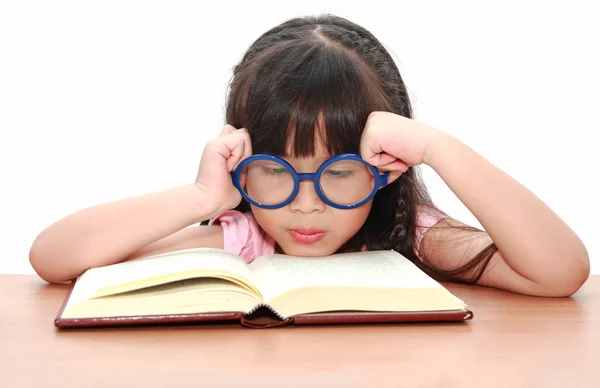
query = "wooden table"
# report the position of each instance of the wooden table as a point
(513, 341)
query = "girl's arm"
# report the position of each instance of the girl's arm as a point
(124, 229)
(147, 224)
(538, 253)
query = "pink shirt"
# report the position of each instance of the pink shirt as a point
(243, 236)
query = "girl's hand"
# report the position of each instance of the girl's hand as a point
(219, 159)
(393, 143)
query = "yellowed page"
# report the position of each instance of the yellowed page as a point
(164, 268)
(363, 281)
(189, 296)
(277, 274)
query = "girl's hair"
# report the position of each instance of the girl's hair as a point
(329, 71)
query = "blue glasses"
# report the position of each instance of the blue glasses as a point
(343, 181)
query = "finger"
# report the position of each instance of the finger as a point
(368, 149)
(377, 158)
(242, 148)
(227, 129)
(247, 144)
(230, 147)
(396, 165)
(236, 151)
(383, 159)
(247, 148)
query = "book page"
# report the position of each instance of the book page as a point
(190, 296)
(277, 274)
(164, 268)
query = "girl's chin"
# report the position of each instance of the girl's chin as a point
(306, 250)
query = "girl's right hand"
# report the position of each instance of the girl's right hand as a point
(220, 157)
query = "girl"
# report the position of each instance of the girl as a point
(307, 90)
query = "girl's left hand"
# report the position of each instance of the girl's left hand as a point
(393, 143)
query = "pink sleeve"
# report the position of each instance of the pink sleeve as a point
(243, 236)
(426, 218)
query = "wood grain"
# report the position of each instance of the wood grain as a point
(512, 341)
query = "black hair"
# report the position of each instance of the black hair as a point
(317, 78)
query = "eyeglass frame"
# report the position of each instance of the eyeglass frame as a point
(381, 179)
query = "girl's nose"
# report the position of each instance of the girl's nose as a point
(307, 200)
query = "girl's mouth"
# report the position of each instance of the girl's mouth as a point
(306, 236)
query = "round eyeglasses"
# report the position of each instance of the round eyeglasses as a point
(343, 181)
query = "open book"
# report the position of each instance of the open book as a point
(206, 284)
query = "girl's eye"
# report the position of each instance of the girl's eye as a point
(339, 173)
(274, 170)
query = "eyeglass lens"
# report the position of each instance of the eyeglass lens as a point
(344, 182)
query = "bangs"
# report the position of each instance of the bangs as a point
(304, 93)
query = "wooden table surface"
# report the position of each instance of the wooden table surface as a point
(512, 341)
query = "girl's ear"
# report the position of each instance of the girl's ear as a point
(243, 179)
(392, 176)
(395, 168)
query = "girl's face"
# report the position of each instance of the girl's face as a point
(307, 226)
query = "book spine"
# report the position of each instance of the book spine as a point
(263, 316)
(264, 305)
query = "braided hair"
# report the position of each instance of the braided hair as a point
(328, 73)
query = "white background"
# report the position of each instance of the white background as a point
(103, 100)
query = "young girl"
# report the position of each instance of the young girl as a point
(306, 91)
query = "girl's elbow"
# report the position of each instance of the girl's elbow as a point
(45, 265)
(41, 267)
(581, 270)
(572, 279)
(581, 274)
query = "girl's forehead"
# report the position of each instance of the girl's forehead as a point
(306, 164)
(320, 148)
(319, 138)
